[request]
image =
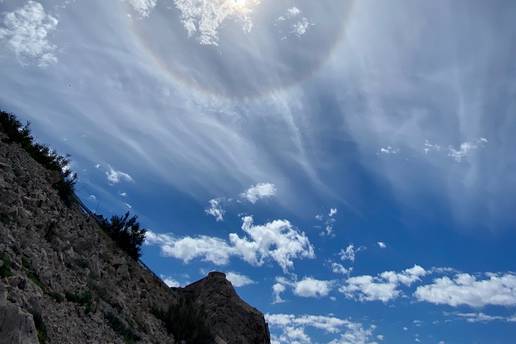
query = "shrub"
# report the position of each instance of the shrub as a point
(84, 298)
(18, 133)
(185, 321)
(40, 327)
(121, 328)
(5, 268)
(126, 232)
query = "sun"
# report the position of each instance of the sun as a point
(243, 6)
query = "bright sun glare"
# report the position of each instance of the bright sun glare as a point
(244, 6)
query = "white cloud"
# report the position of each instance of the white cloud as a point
(482, 317)
(350, 252)
(278, 289)
(115, 177)
(465, 289)
(430, 147)
(406, 277)
(215, 209)
(25, 31)
(142, 7)
(93, 197)
(389, 150)
(238, 280)
(296, 24)
(203, 18)
(340, 269)
(123, 194)
(329, 223)
(214, 250)
(369, 288)
(381, 244)
(259, 191)
(169, 281)
(310, 287)
(384, 287)
(466, 149)
(278, 241)
(291, 329)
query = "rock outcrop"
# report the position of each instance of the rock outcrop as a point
(227, 314)
(63, 280)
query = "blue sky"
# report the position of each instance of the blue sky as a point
(349, 164)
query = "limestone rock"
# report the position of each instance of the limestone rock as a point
(16, 325)
(231, 320)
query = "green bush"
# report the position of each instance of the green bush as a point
(126, 232)
(40, 327)
(84, 298)
(5, 269)
(185, 321)
(18, 133)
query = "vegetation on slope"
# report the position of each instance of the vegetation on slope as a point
(19, 133)
(124, 230)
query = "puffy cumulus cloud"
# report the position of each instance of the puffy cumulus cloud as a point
(466, 289)
(278, 289)
(215, 209)
(311, 287)
(340, 269)
(384, 287)
(259, 191)
(202, 18)
(289, 328)
(277, 240)
(369, 288)
(333, 212)
(238, 280)
(406, 277)
(214, 250)
(115, 177)
(349, 253)
(381, 244)
(142, 7)
(25, 32)
(357, 334)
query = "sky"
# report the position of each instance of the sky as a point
(349, 164)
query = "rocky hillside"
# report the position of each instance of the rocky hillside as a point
(64, 280)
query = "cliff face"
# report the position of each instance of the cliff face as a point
(63, 280)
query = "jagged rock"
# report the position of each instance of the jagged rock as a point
(232, 321)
